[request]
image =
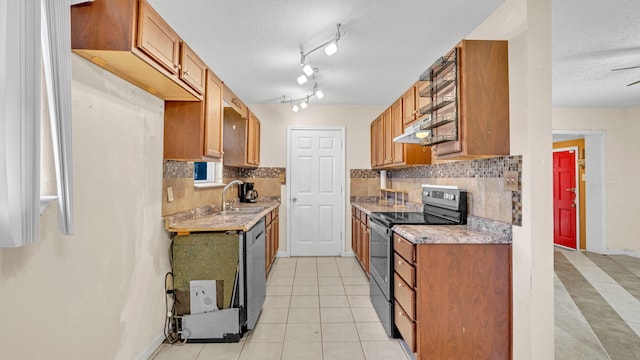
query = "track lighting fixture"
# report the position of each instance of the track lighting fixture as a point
(309, 72)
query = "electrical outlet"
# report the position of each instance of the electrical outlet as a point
(169, 194)
(511, 180)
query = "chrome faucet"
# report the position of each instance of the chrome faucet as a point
(224, 191)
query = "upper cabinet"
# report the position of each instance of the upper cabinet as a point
(130, 39)
(193, 129)
(386, 154)
(466, 105)
(241, 138)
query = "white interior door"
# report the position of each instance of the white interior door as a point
(316, 200)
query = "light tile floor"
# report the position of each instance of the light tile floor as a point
(597, 306)
(316, 309)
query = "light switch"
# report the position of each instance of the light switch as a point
(169, 194)
(511, 180)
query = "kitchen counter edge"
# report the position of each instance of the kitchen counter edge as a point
(477, 231)
(213, 222)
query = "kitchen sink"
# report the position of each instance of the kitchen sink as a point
(241, 211)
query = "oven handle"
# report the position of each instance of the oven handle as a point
(379, 228)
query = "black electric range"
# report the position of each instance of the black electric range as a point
(441, 206)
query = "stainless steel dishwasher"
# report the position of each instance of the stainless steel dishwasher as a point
(255, 276)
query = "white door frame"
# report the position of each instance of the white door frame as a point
(596, 190)
(287, 201)
(577, 198)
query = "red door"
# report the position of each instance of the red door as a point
(564, 196)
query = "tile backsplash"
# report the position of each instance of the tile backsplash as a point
(179, 176)
(483, 178)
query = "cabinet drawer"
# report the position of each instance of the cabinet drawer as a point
(405, 296)
(364, 217)
(405, 270)
(405, 248)
(406, 326)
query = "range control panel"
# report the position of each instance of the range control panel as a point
(450, 198)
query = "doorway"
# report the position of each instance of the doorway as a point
(315, 195)
(592, 197)
(566, 195)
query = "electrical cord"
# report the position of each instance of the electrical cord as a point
(171, 333)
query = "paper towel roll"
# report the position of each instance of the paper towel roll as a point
(383, 179)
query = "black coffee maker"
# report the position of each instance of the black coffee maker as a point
(246, 193)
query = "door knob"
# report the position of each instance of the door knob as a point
(294, 200)
(571, 189)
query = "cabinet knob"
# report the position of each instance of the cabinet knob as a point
(399, 262)
(186, 73)
(400, 285)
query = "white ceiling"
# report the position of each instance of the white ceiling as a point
(254, 45)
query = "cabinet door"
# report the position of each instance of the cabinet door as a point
(253, 140)
(373, 138)
(387, 138)
(409, 106)
(157, 39)
(213, 117)
(397, 130)
(193, 70)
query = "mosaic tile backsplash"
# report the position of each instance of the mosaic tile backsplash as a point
(484, 178)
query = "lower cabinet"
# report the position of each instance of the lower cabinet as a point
(272, 231)
(360, 237)
(453, 301)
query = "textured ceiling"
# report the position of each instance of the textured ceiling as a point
(590, 38)
(254, 45)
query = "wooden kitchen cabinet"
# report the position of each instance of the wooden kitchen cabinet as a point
(241, 139)
(459, 306)
(391, 155)
(193, 130)
(410, 103)
(130, 39)
(470, 101)
(360, 237)
(253, 140)
(271, 238)
(193, 70)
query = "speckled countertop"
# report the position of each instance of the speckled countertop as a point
(477, 231)
(214, 222)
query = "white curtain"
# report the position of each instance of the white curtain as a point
(20, 69)
(21, 63)
(56, 53)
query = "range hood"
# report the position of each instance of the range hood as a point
(413, 134)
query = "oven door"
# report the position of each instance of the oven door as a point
(380, 262)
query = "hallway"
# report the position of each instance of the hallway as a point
(597, 306)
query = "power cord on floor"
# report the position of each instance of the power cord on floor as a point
(171, 332)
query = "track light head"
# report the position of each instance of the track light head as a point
(332, 48)
(301, 79)
(295, 108)
(319, 94)
(308, 70)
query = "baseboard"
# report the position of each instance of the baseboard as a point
(348, 254)
(148, 351)
(282, 254)
(624, 252)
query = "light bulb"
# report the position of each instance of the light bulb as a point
(304, 104)
(319, 94)
(422, 134)
(295, 108)
(302, 79)
(331, 49)
(308, 70)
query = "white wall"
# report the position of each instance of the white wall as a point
(620, 127)
(98, 294)
(275, 119)
(527, 26)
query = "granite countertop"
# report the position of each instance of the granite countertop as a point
(369, 207)
(213, 222)
(449, 234)
(476, 231)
